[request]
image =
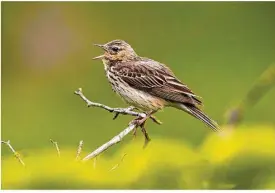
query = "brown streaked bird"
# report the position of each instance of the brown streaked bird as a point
(147, 84)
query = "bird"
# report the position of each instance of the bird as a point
(148, 85)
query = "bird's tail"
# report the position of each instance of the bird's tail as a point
(197, 113)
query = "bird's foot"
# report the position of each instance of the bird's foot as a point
(155, 120)
(140, 122)
(147, 138)
(135, 132)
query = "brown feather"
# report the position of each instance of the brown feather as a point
(155, 79)
(148, 84)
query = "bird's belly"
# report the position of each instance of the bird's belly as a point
(135, 97)
(139, 98)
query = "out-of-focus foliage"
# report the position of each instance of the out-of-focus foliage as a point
(233, 160)
(260, 88)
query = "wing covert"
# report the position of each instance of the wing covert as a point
(157, 80)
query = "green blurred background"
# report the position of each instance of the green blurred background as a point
(218, 48)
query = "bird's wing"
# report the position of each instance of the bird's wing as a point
(156, 79)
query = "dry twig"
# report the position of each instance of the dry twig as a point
(115, 166)
(79, 149)
(117, 111)
(16, 154)
(110, 143)
(124, 111)
(56, 146)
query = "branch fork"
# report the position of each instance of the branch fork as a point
(123, 111)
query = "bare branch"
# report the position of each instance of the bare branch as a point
(117, 111)
(118, 164)
(79, 149)
(124, 111)
(56, 146)
(110, 143)
(16, 154)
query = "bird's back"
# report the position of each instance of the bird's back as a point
(151, 77)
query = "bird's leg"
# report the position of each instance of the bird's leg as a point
(140, 122)
(135, 132)
(147, 139)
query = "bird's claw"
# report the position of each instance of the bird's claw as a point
(155, 120)
(135, 132)
(140, 122)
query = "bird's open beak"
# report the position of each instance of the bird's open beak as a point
(98, 57)
(101, 56)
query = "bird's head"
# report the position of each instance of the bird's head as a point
(116, 50)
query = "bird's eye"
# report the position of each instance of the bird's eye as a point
(115, 49)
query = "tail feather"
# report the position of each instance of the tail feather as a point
(197, 113)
